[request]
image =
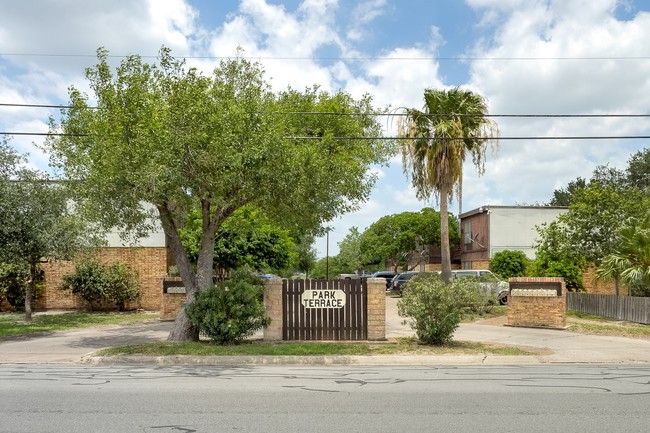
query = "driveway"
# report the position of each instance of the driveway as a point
(550, 346)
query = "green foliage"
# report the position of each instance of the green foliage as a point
(433, 155)
(555, 256)
(13, 278)
(35, 221)
(475, 298)
(637, 170)
(230, 311)
(350, 256)
(595, 217)
(321, 266)
(396, 237)
(630, 262)
(246, 239)
(170, 137)
(122, 285)
(88, 281)
(305, 256)
(509, 263)
(96, 283)
(564, 196)
(434, 307)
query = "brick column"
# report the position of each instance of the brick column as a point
(376, 308)
(537, 309)
(273, 306)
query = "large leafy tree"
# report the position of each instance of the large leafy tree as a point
(246, 239)
(630, 262)
(396, 237)
(638, 170)
(437, 140)
(556, 256)
(167, 135)
(350, 256)
(35, 221)
(594, 219)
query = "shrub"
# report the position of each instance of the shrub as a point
(434, 307)
(230, 311)
(96, 283)
(509, 263)
(122, 285)
(88, 281)
(12, 284)
(475, 297)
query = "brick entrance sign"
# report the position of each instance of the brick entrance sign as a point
(537, 302)
(326, 310)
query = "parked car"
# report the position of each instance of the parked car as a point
(488, 281)
(388, 275)
(398, 282)
(357, 275)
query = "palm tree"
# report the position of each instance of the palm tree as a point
(631, 261)
(452, 124)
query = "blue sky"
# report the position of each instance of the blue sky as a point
(524, 56)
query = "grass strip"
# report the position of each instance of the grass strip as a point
(13, 324)
(257, 348)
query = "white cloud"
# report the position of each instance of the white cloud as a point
(581, 45)
(362, 15)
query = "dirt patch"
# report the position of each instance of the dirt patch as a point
(586, 326)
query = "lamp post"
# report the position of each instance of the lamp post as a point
(327, 254)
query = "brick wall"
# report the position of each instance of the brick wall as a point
(149, 262)
(537, 311)
(601, 287)
(171, 304)
(273, 306)
(376, 313)
(376, 308)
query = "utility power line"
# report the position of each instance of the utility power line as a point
(333, 113)
(350, 58)
(344, 138)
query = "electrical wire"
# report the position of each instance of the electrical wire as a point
(333, 113)
(358, 58)
(343, 138)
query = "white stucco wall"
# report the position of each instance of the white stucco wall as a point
(155, 238)
(513, 228)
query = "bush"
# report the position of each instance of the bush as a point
(571, 272)
(122, 285)
(12, 284)
(509, 263)
(96, 283)
(435, 308)
(476, 298)
(230, 311)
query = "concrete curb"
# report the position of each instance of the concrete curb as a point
(423, 360)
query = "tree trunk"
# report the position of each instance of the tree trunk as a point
(445, 256)
(182, 329)
(29, 292)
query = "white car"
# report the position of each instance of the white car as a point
(489, 281)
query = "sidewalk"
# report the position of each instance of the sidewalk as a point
(551, 346)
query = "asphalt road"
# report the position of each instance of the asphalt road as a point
(539, 398)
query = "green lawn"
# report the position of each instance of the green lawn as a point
(402, 346)
(12, 324)
(597, 325)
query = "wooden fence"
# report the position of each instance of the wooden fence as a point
(629, 308)
(349, 322)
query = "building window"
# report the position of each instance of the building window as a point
(467, 265)
(467, 233)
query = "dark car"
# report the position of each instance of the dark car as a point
(400, 280)
(388, 275)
